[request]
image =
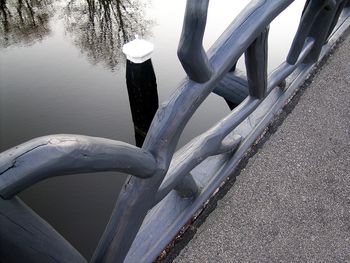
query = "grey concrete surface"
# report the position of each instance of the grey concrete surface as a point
(291, 203)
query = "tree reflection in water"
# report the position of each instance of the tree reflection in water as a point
(22, 22)
(101, 27)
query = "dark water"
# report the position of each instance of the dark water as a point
(62, 71)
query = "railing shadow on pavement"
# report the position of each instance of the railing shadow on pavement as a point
(167, 187)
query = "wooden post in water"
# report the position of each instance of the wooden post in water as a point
(142, 86)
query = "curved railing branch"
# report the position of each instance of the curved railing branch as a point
(26, 237)
(190, 51)
(53, 155)
(192, 154)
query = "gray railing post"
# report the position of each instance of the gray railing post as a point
(315, 23)
(339, 8)
(190, 51)
(321, 30)
(256, 64)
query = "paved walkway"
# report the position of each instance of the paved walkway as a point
(292, 201)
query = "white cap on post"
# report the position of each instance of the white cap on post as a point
(138, 50)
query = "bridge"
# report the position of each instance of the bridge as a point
(291, 201)
(168, 188)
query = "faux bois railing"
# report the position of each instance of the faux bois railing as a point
(167, 187)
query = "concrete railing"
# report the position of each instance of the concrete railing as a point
(167, 187)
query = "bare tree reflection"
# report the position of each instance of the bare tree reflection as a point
(101, 27)
(22, 22)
